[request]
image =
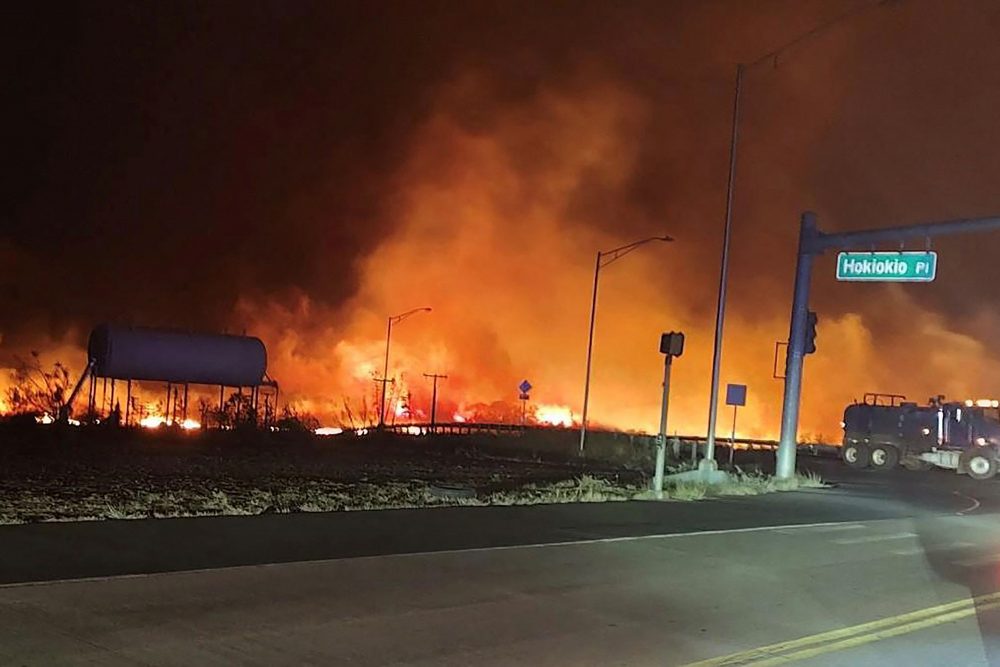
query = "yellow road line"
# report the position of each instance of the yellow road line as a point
(856, 634)
(876, 636)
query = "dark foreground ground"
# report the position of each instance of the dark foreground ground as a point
(900, 568)
(79, 473)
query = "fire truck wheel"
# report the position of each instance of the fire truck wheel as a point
(980, 462)
(856, 455)
(884, 457)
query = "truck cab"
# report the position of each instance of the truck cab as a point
(885, 430)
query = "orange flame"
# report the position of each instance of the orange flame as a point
(554, 415)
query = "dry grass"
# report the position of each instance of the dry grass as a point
(320, 496)
(744, 484)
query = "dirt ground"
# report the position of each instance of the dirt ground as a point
(52, 473)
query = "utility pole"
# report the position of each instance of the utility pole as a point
(708, 464)
(434, 396)
(813, 242)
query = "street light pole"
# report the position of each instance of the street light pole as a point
(720, 311)
(590, 350)
(385, 376)
(603, 259)
(385, 371)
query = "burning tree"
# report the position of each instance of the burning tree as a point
(293, 420)
(35, 390)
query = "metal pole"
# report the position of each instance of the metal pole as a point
(785, 468)
(720, 313)
(434, 401)
(166, 406)
(185, 413)
(434, 396)
(661, 438)
(128, 400)
(732, 437)
(385, 376)
(111, 404)
(590, 350)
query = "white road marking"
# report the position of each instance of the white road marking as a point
(971, 508)
(826, 529)
(979, 561)
(875, 538)
(913, 551)
(418, 554)
(830, 529)
(910, 552)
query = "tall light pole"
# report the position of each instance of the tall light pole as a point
(603, 259)
(385, 372)
(720, 309)
(720, 312)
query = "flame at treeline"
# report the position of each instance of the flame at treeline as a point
(501, 187)
(487, 237)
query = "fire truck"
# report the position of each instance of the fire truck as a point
(885, 430)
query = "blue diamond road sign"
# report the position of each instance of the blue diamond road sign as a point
(525, 387)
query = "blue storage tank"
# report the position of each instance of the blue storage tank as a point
(139, 353)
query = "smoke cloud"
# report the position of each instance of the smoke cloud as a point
(303, 173)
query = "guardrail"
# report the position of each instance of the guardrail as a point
(470, 428)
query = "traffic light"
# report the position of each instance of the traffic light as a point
(672, 344)
(811, 320)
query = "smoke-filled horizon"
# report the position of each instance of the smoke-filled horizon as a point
(301, 172)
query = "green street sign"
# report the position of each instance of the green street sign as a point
(903, 267)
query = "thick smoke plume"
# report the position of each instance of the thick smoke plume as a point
(479, 177)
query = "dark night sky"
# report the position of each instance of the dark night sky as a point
(159, 155)
(165, 160)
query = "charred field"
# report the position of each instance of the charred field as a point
(51, 473)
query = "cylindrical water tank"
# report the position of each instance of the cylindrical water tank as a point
(138, 353)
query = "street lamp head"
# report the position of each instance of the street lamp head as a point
(403, 316)
(665, 237)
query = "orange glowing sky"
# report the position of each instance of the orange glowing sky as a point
(308, 184)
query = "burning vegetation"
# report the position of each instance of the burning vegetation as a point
(310, 204)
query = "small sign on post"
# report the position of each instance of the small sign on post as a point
(905, 267)
(736, 396)
(524, 388)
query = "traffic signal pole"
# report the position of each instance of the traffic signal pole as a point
(814, 242)
(796, 350)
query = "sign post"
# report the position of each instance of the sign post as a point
(736, 396)
(671, 345)
(524, 388)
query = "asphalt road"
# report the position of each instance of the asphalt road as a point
(882, 569)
